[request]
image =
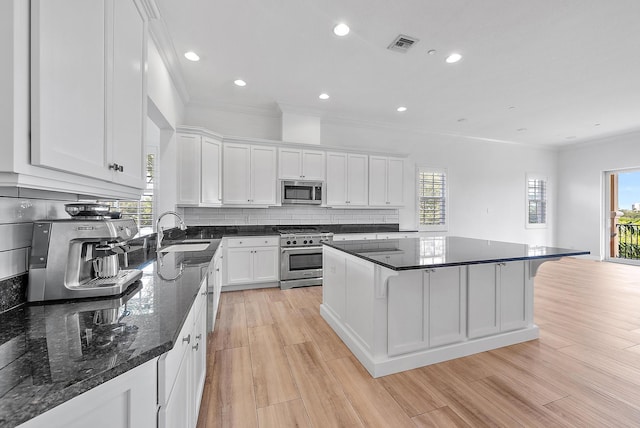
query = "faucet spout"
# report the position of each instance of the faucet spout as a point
(159, 230)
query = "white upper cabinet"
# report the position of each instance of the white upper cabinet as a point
(298, 164)
(249, 174)
(199, 170)
(347, 179)
(386, 176)
(88, 94)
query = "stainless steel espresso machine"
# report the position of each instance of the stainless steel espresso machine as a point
(78, 258)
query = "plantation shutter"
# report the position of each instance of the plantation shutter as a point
(432, 187)
(537, 201)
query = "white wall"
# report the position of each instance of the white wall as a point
(247, 123)
(486, 180)
(166, 110)
(581, 191)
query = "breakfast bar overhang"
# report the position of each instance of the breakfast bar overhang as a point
(405, 303)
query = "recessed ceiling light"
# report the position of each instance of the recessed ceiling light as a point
(596, 124)
(323, 96)
(240, 82)
(431, 52)
(454, 57)
(521, 129)
(462, 119)
(341, 29)
(401, 109)
(512, 107)
(570, 137)
(192, 56)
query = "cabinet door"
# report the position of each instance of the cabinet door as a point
(68, 80)
(358, 180)
(313, 165)
(395, 182)
(263, 175)
(199, 360)
(290, 164)
(177, 411)
(336, 178)
(188, 169)
(482, 291)
(239, 266)
(447, 297)
(378, 180)
(236, 174)
(513, 296)
(266, 264)
(128, 108)
(210, 167)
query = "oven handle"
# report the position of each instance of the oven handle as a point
(300, 250)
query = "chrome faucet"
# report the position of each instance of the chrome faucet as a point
(159, 230)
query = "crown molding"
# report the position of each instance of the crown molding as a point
(266, 110)
(160, 36)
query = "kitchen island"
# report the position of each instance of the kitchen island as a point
(406, 303)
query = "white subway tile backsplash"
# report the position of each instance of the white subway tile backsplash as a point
(286, 215)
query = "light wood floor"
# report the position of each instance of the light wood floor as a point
(274, 362)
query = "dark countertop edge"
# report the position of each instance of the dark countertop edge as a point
(453, 264)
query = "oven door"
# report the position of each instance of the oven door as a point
(301, 262)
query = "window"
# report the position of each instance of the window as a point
(432, 199)
(536, 201)
(141, 210)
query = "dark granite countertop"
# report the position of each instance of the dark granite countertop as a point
(441, 251)
(49, 353)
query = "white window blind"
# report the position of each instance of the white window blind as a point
(432, 195)
(536, 201)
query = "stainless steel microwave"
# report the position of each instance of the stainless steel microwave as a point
(301, 192)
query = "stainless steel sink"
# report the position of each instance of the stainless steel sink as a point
(186, 246)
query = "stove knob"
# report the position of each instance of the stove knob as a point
(288, 242)
(305, 241)
(310, 241)
(295, 242)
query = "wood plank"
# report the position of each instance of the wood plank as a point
(231, 328)
(231, 297)
(231, 399)
(288, 414)
(328, 342)
(372, 402)
(289, 322)
(271, 372)
(323, 396)
(257, 309)
(414, 395)
(443, 417)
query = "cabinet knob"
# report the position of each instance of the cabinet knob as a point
(198, 337)
(204, 293)
(116, 167)
(196, 346)
(187, 339)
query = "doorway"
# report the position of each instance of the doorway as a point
(623, 221)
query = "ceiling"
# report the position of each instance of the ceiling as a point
(549, 72)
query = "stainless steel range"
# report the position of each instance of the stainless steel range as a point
(301, 261)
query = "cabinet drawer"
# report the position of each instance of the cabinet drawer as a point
(253, 241)
(354, 236)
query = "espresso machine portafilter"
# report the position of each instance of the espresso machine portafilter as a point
(78, 258)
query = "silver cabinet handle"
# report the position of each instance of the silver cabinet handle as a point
(196, 346)
(116, 167)
(187, 339)
(198, 337)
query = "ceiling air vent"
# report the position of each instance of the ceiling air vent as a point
(402, 43)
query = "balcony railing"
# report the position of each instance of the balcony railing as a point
(629, 241)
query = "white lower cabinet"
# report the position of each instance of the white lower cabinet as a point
(498, 295)
(426, 309)
(128, 400)
(252, 260)
(181, 371)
